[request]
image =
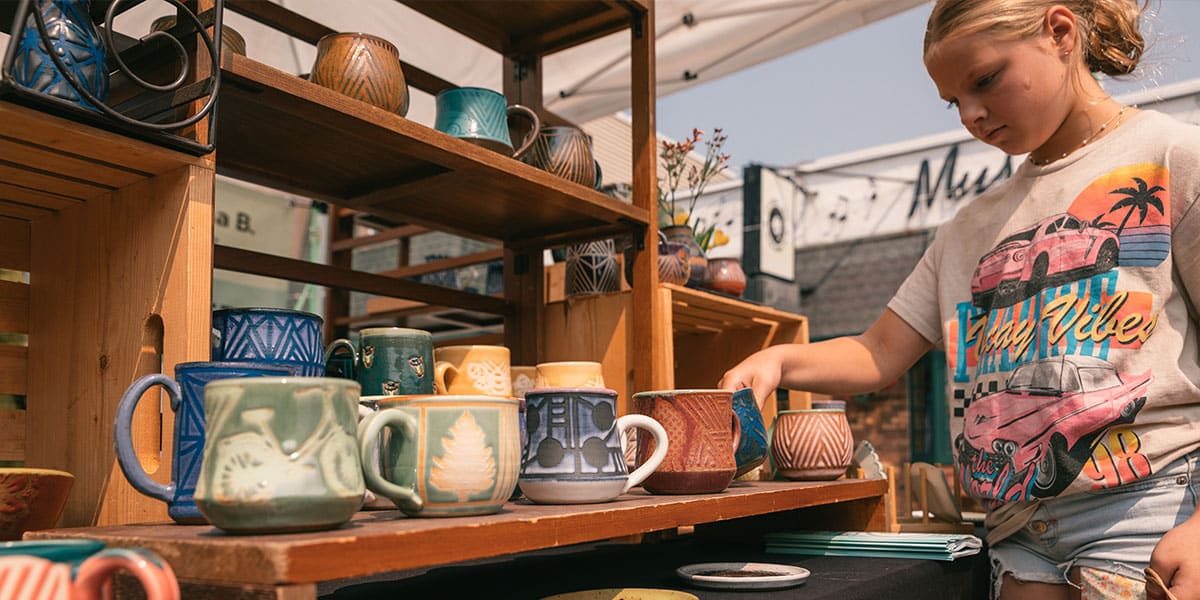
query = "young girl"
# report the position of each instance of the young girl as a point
(1066, 301)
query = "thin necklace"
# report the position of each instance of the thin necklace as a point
(1113, 120)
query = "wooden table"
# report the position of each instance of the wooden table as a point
(210, 563)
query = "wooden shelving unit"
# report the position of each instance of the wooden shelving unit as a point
(229, 566)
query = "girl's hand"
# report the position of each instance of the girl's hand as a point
(760, 372)
(1176, 559)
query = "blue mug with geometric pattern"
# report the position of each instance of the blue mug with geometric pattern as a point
(273, 335)
(187, 401)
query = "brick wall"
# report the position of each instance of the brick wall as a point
(882, 419)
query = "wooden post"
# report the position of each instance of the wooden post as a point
(651, 321)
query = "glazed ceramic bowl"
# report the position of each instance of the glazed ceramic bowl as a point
(31, 499)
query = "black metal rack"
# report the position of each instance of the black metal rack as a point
(153, 112)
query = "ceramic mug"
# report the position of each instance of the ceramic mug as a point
(566, 152)
(79, 569)
(280, 454)
(813, 444)
(32, 499)
(272, 335)
(523, 379)
(575, 454)
(569, 374)
(390, 361)
(445, 456)
(704, 432)
(186, 395)
(752, 447)
(483, 117)
(364, 67)
(592, 268)
(472, 370)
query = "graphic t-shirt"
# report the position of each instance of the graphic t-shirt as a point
(1065, 300)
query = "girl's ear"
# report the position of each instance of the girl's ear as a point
(1060, 24)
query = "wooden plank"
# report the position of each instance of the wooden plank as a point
(456, 262)
(269, 265)
(42, 200)
(14, 307)
(70, 138)
(14, 244)
(527, 26)
(394, 233)
(71, 190)
(595, 328)
(14, 369)
(21, 152)
(17, 210)
(364, 548)
(12, 435)
(652, 312)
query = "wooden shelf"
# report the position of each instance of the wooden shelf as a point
(517, 27)
(384, 541)
(699, 311)
(48, 164)
(282, 131)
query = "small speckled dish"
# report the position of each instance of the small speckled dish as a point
(742, 576)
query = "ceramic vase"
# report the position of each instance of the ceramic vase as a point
(31, 499)
(812, 444)
(231, 41)
(565, 152)
(697, 262)
(363, 67)
(725, 275)
(77, 44)
(673, 266)
(592, 268)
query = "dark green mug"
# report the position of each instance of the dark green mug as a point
(389, 361)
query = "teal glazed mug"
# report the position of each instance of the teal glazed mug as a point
(389, 361)
(484, 117)
(280, 454)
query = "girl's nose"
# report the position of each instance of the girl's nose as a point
(971, 113)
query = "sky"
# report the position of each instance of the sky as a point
(869, 87)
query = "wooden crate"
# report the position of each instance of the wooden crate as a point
(708, 333)
(115, 236)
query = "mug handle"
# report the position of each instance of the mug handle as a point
(123, 435)
(332, 348)
(769, 464)
(599, 174)
(154, 573)
(660, 446)
(737, 433)
(401, 424)
(443, 375)
(532, 134)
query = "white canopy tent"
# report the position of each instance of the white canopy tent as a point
(697, 41)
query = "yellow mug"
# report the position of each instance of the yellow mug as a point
(472, 370)
(569, 374)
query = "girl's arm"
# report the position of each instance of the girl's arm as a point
(841, 366)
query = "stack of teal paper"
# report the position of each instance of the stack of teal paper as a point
(927, 546)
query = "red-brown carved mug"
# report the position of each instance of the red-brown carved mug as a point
(704, 434)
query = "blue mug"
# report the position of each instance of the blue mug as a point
(484, 117)
(187, 400)
(271, 335)
(752, 448)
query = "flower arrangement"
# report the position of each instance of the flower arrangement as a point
(674, 157)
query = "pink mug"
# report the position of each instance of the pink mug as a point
(25, 577)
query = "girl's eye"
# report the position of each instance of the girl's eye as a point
(984, 81)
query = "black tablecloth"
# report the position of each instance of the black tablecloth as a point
(540, 574)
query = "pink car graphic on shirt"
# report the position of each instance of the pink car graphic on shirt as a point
(1048, 408)
(1058, 249)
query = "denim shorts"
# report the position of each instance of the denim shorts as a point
(1111, 530)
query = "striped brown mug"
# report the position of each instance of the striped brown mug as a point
(363, 67)
(566, 152)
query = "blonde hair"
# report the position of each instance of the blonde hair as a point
(1107, 29)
